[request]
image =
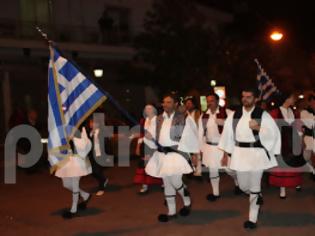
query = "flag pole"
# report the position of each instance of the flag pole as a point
(258, 64)
(108, 95)
(261, 70)
(44, 35)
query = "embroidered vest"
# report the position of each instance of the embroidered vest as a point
(177, 127)
(205, 118)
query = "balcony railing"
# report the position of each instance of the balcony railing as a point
(64, 33)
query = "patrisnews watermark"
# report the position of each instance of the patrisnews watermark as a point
(122, 139)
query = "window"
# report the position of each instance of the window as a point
(32, 13)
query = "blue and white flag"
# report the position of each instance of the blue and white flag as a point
(267, 89)
(72, 97)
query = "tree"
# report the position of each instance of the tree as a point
(178, 45)
(184, 54)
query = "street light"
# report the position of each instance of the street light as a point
(98, 73)
(276, 36)
(213, 83)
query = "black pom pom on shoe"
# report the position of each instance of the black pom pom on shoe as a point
(250, 225)
(185, 211)
(83, 205)
(69, 215)
(166, 218)
(212, 198)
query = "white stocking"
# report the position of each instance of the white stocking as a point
(214, 180)
(178, 184)
(170, 195)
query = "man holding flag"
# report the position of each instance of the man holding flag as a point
(71, 99)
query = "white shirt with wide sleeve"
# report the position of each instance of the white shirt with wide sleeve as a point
(172, 163)
(251, 159)
(211, 154)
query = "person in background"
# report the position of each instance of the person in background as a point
(192, 109)
(145, 149)
(308, 121)
(97, 154)
(210, 129)
(17, 117)
(285, 176)
(106, 26)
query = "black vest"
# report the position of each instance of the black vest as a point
(177, 128)
(255, 115)
(205, 117)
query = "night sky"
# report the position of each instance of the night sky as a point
(252, 18)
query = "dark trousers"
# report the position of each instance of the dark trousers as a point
(97, 173)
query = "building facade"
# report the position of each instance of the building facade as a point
(94, 33)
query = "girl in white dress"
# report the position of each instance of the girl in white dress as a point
(76, 167)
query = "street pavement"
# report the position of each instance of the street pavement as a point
(34, 204)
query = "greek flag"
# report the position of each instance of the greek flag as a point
(266, 87)
(72, 97)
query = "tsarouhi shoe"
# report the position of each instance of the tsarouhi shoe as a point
(185, 211)
(166, 218)
(144, 190)
(283, 197)
(212, 198)
(82, 205)
(69, 215)
(250, 225)
(100, 193)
